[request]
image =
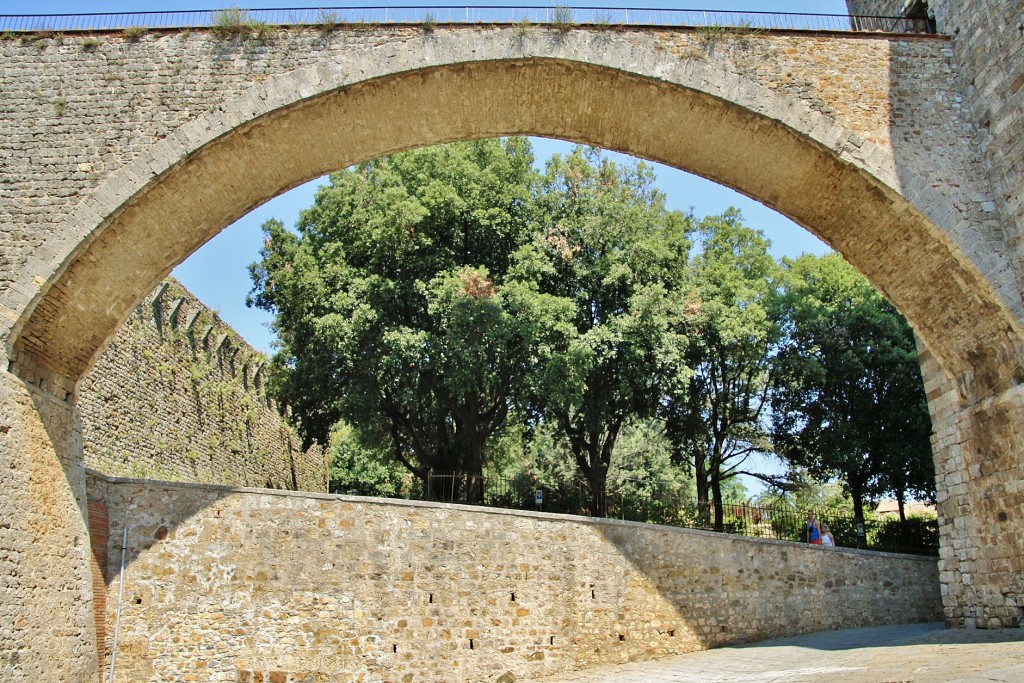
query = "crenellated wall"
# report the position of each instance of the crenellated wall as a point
(122, 154)
(177, 395)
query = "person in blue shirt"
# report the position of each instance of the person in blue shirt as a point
(812, 529)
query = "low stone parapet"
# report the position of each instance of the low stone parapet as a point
(239, 584)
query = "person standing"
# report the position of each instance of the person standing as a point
(827, 539)
(812, 529)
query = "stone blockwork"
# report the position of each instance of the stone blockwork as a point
(978, 442)
(241, 585)
(123, 154)
(47, 627)
(151, 100)
(876, 8)
(178, 395)
(983, 492)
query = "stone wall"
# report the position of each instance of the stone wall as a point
(978, 468)
(178, 395)
(79, 109)
(875, 8)
(981, 494)
(229, 585)
(988, 47)
(122, 155)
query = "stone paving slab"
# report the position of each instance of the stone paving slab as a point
(914, 653)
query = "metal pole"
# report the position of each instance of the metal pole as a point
(120, 597)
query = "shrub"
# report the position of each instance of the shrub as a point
(523, 28)
(562, 18)
(134, 33)
(328, 21)
(230, 22)
(916, 535)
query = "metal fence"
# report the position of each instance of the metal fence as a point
(673, 508)
(560, 16)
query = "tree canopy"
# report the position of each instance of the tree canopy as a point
(397, 305)
(610, 249)
(453, 308)
(849, 401)
(717, 419)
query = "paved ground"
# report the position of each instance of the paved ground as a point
(918, 653)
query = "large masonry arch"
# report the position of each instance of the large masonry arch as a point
(841, 160)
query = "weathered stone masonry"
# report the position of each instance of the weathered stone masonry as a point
(177, 395)
(121, 157)
(978, 442)
(226, 583)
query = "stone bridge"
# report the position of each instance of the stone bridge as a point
(121, 154)
(255, 585)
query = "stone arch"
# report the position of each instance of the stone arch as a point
(153, 213)
(689, 114)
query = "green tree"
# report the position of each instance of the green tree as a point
(370, 471)
(611, 248)
(396, 308)
(849, 401)
(717, 419)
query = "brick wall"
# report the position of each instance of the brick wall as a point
(178, 395)
(99, 528)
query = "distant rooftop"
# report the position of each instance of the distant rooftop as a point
(891, 507)
(559, 16)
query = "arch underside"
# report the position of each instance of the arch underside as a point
(954, 310)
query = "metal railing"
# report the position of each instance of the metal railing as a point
(560, 16)
(671, 507)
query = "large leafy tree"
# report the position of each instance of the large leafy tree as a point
(717, 418)
(610, 248)
(396, 306)
(849, 400)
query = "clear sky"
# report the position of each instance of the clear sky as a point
(83, 6)
(218, 272)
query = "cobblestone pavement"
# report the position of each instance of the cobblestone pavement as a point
(915, 653)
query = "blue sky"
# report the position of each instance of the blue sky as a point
(82, 6)
(218, 272)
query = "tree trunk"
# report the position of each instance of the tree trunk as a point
(597, 478)
(470, 439)
(471, 444)
(700, 476)
(716, 492)
(857, 493)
